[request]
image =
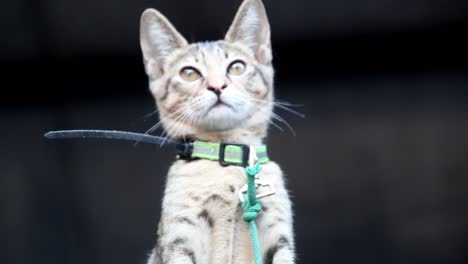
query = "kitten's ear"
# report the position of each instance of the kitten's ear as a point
(158, 39)
(251, 28)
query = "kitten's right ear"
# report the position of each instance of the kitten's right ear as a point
(158, 39)
(252, 29)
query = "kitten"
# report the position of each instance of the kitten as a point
(218, 91)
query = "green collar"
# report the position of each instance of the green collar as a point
(226, 153)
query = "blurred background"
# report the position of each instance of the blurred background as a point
(378, 169)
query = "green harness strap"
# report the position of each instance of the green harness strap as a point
(252, 208)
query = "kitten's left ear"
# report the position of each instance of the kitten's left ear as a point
(158, 39)
(251, 28)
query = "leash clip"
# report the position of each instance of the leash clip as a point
(253, 158)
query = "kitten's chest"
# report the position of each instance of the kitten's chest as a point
(206, 184)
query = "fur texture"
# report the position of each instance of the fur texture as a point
(201, 215)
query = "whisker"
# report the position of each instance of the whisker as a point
(280, 119)
(276, 125)
(172, 129)
(270, 121)
(186, 119)
(168, 130)
(159, 124)
(281, 104)
(285, 103)
(151, 114)
(290, 110)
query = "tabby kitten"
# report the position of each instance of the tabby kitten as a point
(218, 91)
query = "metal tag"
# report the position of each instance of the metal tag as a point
(258, 183)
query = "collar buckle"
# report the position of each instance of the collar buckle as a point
(185, 150)
(245, 154)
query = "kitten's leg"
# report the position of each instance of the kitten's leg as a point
(155, 257)
(182, 240)
(280, 251)
(276, 231)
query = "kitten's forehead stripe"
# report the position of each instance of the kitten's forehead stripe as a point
(166, 90)
(230, 47)
(262, 76)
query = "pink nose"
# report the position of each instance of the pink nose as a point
(217, 87)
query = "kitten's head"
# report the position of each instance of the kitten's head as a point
(220, 90)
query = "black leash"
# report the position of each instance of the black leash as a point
(184, 149)
(108, 134)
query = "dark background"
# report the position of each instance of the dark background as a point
(378, 170)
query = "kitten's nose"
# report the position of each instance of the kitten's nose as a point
(217, 87)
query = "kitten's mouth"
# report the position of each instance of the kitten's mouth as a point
(219, 103)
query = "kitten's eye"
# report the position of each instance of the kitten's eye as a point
(236, 68)
(190, 74)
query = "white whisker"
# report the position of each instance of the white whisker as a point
(280, 119)
(285, 103)
(289, 110)
(159, 124)
(265, 111)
